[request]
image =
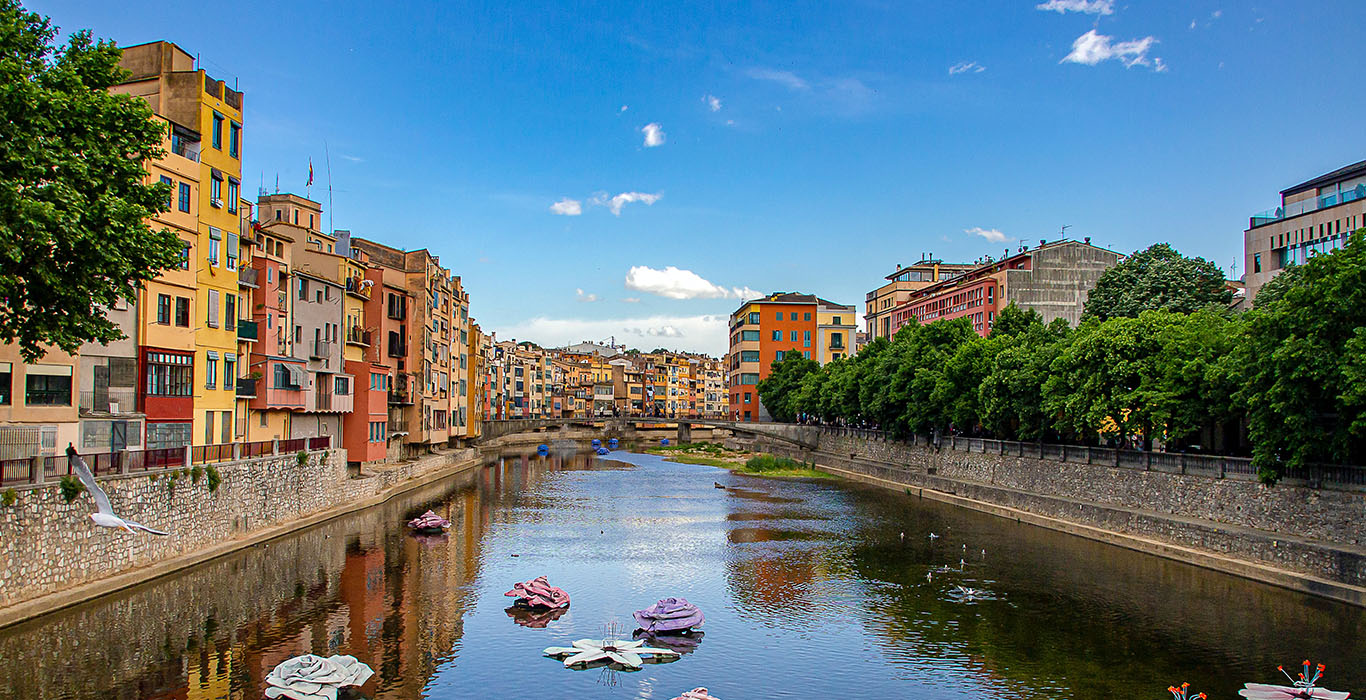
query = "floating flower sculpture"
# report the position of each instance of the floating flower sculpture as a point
(538, 593)
(628, 655)
(1182, 692)
(697, 694)
(310, 677)
(535, 618)
(670, 615)
(603, 451)
(1302, 688)
(429, 522)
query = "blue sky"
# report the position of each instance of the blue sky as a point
(802, 146)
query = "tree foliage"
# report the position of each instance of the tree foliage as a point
(1157, 279)
(780, 390)
(74, 234)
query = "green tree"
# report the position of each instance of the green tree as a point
(1276, 287)
(779, 390)
(1302, 355)
(74, 235)
(1014, 321)
(1011, 395)
(1159, 278)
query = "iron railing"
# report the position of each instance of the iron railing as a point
(21, 471)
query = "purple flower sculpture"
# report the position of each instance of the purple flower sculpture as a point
(538, 593)
(429, 522)
(670, 615)
(681, 642)
(1302, 689)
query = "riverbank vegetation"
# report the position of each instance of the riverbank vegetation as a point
(740, 461)
(1284, 382)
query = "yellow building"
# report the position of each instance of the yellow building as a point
(835, 328)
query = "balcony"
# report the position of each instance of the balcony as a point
(358, 336)
(1271, 216)
(322, 349)
(246, 388)
(281, 397)
(398, 426)
(248, 277)
(359, 287)
(246, 330)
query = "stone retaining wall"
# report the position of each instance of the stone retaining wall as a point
(1295, 528)
(48, 545)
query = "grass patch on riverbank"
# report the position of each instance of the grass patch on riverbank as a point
(739, 461)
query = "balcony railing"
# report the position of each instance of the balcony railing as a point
(248, 277)
(1305, 206)
(356, 335)
(246, 330)
(111, 400)
(246, 388)
(321, 349)
(358, 287)
(397, 426)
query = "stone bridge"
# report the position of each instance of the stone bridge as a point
(804, 436)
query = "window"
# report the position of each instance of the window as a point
(164, 309)
(794, 336)
(806, 339)
(215, 240)
(168, 375)
(749, 336)
(749, 378)
(836, 341)
(754, 318)
(1257, 262)
(777, 335)
(778, 356)
(185, 197)
(805, 317)
(213, 308)
(806, 354)
(748, 398)
(232, 251)
(340, 386)
(6, 383)
(216, 190)
(233, 187)
(211, 372)
(182, 312)
(164, 435)
(230, 312)
(171, 185)
(749, 355)
(47, 385)
(234, 138)
(218, 131)
(208, 427)
(779, 315)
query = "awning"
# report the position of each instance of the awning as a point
(297, 374)
(49, 370)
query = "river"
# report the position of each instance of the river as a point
(811, 588)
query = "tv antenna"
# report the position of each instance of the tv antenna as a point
(1063, 232)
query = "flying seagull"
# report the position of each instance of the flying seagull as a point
(104, 517)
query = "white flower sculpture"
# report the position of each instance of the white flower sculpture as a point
(621, 652)
(310, 677)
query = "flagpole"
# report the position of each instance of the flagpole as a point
(327, 156)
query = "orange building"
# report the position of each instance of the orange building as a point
(762, 332)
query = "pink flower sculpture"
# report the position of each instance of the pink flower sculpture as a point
(697, 694)
(429, 522)
(535, 618)
(1302, 689)
(538, 593)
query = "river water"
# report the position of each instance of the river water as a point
(812, 589)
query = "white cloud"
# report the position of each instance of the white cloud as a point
(621, 200)
(704, 333)
(631, 300)
(1192, 24)
(1089, 7)
(966, 67)
(588, 298)
(567, 207)
(713, 102)
(654, 134)
(1092, 48)
(1217, 14)
(624, 108)
(782, 77)
(353, 159)
(990, 234)
(674, 283)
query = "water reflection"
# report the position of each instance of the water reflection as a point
(809, 588)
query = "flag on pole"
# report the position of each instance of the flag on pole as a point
(310, 173)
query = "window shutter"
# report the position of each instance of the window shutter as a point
(213, 308)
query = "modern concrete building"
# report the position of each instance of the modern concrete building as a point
(1313, 218)
(880, 302)
(1052, 279)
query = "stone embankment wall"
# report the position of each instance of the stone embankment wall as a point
(1317, 532)
(49, 545)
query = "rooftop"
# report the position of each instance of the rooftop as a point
(1343, 173)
